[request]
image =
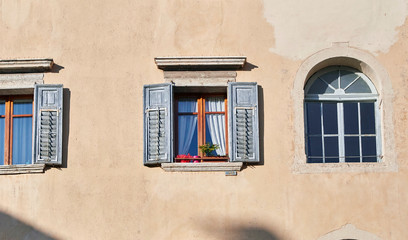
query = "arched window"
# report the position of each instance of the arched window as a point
(342, 122)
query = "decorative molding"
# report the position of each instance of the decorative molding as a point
(21, 168)
(200, 78)
(201, 167)
(200, 63)
(27, 65)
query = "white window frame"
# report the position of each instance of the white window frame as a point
(340, 97)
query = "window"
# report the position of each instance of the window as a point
(341, 117)
(30, 117)
(16, 122)
(201, 117)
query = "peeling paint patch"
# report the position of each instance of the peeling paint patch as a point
(305, 27)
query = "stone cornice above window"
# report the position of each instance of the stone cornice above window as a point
(26, 65)
(200, 63)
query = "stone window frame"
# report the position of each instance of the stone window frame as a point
(342, 54)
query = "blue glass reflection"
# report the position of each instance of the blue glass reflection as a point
(350, 118)
(22, 107)
(367, 118)
(313, 118)
(315, 147)
(22, 137)
(2, 108)
(352, 149)
(330, 118)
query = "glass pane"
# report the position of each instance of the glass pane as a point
(367, 118)
(331, 149)
(22, 137)
(352, 149)
(187, 135)
(215, 132)
(332, 78)
(187, 105)
(315, 147)
(215, 104)
(22, 107)
(347, 78)
(369, 159)
(359, 86)
(350, 118)
(313, 118)
(2, 121)
(319, 87)
(330, 118)
(314, 160)
(369, 146)
(2, 108)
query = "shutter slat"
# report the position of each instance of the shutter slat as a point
(243, 123)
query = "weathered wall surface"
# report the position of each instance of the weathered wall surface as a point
(105, 50)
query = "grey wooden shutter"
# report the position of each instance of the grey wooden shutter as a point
(158, 123)
(243, 122)
(47, 146)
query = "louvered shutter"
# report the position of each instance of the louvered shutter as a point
(158, 123)
(48, 124)
(243, 122)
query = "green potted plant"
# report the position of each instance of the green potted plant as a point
(207, 148)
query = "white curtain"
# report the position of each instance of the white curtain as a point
(187, 125)
(216, 122)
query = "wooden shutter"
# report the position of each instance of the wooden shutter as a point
(158, 123)
(243, 122)
(48, 124)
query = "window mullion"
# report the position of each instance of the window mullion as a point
(340, 122)
(359, 132)
(322, 126)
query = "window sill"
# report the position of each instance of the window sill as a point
(21, 169)
(344, 167)
(202, 167)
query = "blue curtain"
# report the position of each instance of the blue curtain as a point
(187, 127)
(22, 133)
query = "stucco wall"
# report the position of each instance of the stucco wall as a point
(105, 51)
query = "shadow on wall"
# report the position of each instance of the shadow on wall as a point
(251, 233)
(12, 228)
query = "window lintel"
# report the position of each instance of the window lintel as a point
(200, 63)
(26, 65)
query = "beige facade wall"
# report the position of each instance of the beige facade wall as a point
(105, 53)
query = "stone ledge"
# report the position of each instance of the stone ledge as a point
(27, 65)
(200, 63)
(306, 168)
(21, 169)
(202, 167)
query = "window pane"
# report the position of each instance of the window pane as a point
(2, 121)
(314, 160)
(359, 86)
(215, 132)
(331, 149)
(367, 118)
(187, 135)
(369, 147)
(22, 107)
(352, 149)
(22, 135)
(346, 78)
(215, 104)
(313, 118)
(187, 105)
(315, 147)
(319, 87)
(2, 108)
(332, 78)
(350, 118)
(330, 118)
